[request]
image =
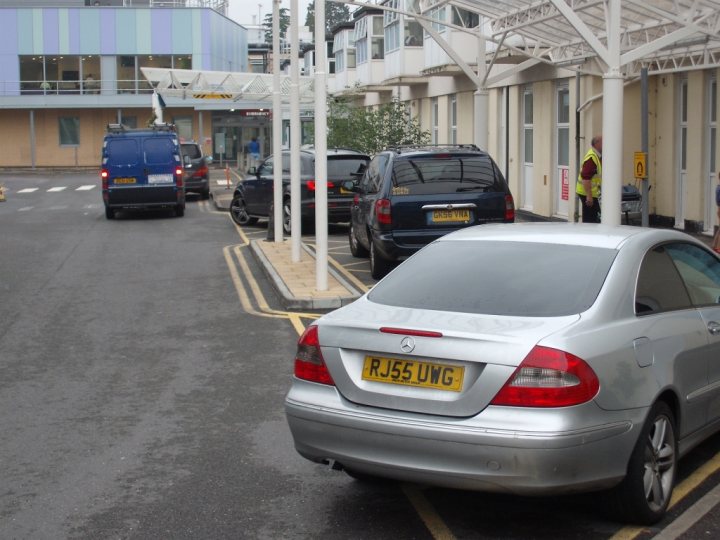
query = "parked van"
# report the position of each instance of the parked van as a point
(141, 168)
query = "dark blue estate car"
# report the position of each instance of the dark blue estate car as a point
(410, 196)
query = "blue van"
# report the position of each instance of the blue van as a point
(141, 168)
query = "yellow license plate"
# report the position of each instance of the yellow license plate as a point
(413, 373)
(124, 181)
(446, 216)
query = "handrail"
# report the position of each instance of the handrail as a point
(68, 87)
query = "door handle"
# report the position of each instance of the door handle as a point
(714, 328)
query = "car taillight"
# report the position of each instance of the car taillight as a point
(179, 176)
(509, 208)
(311, 185)
(382, 211)
(549, 378)
(201, 172)
(309, 362)
(104, 175)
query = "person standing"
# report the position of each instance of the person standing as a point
(589, 182)
(254, 150)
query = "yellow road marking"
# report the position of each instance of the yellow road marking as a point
(427, 514)
(681, 491)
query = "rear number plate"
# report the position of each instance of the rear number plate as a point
(413, 373)
(124, 181)
(160, 178)
(450, 216)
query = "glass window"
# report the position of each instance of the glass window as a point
(563, 126)
(659, 287)
(453, 119)
(431, 176)
(69, 130)
(184, 127)
(126, 75)
(413, 33)
(504, 287)
(345, 167)
(351, 58)
(464, 18)
(528, 103)
(32, 74)
(434, 119)
(122, 151)
(700, 272)
(159, 150)
(373, 176)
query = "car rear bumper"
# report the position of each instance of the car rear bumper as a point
(196, 184)
(481, 453)
(338, 210)
(143, 197)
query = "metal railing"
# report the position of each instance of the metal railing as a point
(74, 87)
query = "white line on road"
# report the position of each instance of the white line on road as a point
(25, 208)
(28, 190)
(86, 187)
(57, 188)
(691, 516)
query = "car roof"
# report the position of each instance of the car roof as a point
(429, 150)
(579, 234)
(333, 152)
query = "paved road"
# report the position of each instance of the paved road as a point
(143, 365)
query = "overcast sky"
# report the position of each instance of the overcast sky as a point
(252, 12)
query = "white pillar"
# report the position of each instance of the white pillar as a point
(321, 223)
(277, 126)
(612, 123)
(481, 96)
(296, 234)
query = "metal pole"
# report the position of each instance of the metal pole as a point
(321, 223)
(32, 138)
(481, 96)
(295, 208)
(612, 122)
(277, 127)
(644, 143)
(575, 209)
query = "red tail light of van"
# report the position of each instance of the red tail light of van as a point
(179, 176)
(311, 185)
(509, 208)
(104, 176)
(383, 212)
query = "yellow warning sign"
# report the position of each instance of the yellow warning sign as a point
(640, 165)
(211, 95)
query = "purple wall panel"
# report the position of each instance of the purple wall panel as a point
(9, 66)
(161, 21)
(107, 34)
(51, 31)
(74, 34)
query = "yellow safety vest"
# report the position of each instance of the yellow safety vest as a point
(596, 180)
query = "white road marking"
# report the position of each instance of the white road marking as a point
(691, 516)
(28, 190)
(25, 208)
(86, 187)
(57, 188)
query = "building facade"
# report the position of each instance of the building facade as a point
(68, 71)
(540, 120)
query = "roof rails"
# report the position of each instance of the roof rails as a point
(434, 147)
(120, 128)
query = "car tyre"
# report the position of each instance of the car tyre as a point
(180, 210)
(287, 216)
(356, 248)
(109, 213)
(379, 267)
(239, 214)
(205, 193)
(643, 496)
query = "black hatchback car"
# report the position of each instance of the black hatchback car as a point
(410, 196)
(254, 194)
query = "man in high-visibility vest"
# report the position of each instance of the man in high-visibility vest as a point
(589, 182)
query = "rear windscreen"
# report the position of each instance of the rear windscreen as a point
(495, 278)
(122, 152)
(191, 150)
(453, 174)
(159, 151)
(344, 168)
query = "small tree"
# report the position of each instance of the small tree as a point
(334, 14)
(371, 130)
(284, 24)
